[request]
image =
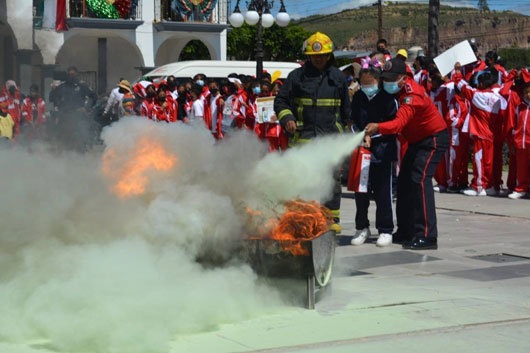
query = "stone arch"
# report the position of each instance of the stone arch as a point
(170, 49)
(202, 54)
(81, 50)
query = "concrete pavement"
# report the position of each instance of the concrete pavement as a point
(454, 299)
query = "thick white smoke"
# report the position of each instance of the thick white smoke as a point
(83, 270)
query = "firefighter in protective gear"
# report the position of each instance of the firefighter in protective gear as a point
(314, 102)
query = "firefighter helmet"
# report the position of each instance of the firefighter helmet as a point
(318, 43)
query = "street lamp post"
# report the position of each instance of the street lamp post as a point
(259, 14)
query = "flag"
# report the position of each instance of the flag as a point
(54, 16)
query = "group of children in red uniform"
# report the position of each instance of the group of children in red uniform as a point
(20, 113)
(221, 104)
(485, 108)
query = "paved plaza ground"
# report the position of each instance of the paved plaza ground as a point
(454, 299)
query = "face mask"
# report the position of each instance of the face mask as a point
(150, 94)
(12, 91)
(200, 82)
(392, 87)
(161, 99)
(256, 90)
(214, 91)
(370, 91)
(172, 85)
(381, 50)
(349, 80)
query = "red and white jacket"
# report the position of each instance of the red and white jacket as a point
(442, 97)
(146, 106)
(140, 87)
(167, 114)
(240, 107)
(487, 109)
(422, 78)
(471, 69)
(34, 112)
(205, 98)
(518, 117)
(503, 74)
(456, 117)
(216, 105)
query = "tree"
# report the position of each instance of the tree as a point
(483, 5)
(279, 43)
(195, 50)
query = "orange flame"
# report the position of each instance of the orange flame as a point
(302, 221)
(132, 176)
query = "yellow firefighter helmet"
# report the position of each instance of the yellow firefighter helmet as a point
(318, 43)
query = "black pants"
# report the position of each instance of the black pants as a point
(415, 207)
(381, 188)
(334, 203)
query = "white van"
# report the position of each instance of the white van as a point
(218, 69)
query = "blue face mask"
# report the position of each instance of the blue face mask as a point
(200, 82)
(256, 90)
(370, 91)
(391, 87)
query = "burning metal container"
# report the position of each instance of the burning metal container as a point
(309, 259)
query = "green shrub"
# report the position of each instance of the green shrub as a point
(513, 58)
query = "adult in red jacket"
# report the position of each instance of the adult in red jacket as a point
(426, 131)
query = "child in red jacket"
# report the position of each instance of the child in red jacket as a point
(518, 125)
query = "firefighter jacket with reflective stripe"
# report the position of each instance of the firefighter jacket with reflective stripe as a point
(317, 101)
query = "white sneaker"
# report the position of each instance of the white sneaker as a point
(471, 192)
(384, 239)
(360, 236)
(517, 195)
(491, 191)
(439, 188)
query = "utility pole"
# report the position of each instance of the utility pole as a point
(433, 40)
(380, 19)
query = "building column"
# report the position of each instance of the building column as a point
(222, 45)
(102, 66)
(9, 52)
(24, 69)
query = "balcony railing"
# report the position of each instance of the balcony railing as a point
(80, 8)
(168, 10)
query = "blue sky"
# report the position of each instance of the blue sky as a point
(303, 8)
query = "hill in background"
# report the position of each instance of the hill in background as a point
(405, 25)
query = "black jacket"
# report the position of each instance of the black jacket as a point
(70, 96)
(383, 107)
(317, 101)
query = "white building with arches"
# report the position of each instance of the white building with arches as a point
(104, 50)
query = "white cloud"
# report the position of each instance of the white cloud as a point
(524, 9)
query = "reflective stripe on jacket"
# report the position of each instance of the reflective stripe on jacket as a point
(317, 101)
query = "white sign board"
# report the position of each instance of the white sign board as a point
(265, 109)
(462, 53)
